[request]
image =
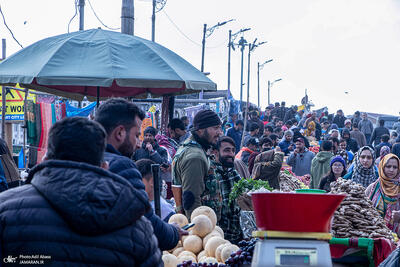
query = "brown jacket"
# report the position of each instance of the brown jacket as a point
(267, 166)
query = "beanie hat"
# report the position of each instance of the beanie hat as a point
(204, 119)
(151, 130)
(338, 159)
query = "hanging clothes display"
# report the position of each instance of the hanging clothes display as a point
(82, 112)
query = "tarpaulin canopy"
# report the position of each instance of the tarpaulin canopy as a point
(119, 65)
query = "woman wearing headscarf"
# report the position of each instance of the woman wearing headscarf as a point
(363, 171)
(310, 131)
(385, 192)
(338, 169)
(384, 151)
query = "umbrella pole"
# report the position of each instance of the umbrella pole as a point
(98, 97)
(25, 125)
(3, 112)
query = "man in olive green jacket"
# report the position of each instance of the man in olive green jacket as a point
(191, 164)
(320, 165)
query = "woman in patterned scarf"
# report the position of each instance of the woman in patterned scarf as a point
(385, 192)
(363, 172)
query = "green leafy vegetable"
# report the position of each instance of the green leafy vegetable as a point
(245, 185)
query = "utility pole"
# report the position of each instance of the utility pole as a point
(3, 49)
(269, 92)
(270, 84)
(231, 44)
(242, 44)
(203, 47)
(81, 14)
(258, 84)
(153, 22)
(207, 33)
(127, 17)
(252, 46)
(229, 63)
(260, 66)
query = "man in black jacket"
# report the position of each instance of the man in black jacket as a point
(339, 119)
(72, 211)
(378, 132)
(150, 148)
(122, 120)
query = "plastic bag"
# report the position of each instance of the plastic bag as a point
(393, 260)
(247, 223)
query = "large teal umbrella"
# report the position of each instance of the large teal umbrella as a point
(102, 63)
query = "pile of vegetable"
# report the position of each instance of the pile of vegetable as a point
(288, 182)
(356, 215)
(204, 246)
(246, 185)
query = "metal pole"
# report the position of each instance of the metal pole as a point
(3, 45)
(248, 91)
(81, 14)
(258, 84)
(25, 125)
(203, 47)
(155, 169)
(127, 17)
(153, 22)
(3, 112)
(241, 71)
(248, 76)
(269, 88)
(202, 55)
(98, 97)
(229, 63)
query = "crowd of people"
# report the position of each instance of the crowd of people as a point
(91, 201)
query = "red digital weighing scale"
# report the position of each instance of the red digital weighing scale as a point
(294, 228)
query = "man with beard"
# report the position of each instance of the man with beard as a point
(150, 148)
(191, 165)
(122, 121)
(225, 177)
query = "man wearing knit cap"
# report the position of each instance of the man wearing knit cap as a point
(191, 165)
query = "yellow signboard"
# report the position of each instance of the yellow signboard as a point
(14, 103)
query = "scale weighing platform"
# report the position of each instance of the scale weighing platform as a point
(291, 249)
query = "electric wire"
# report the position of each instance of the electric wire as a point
(97, 17)
(179, 30)
(76, 12)
(187, 37)
(11, 32)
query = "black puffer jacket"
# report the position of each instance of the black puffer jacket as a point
(80, 215)
(167, 235)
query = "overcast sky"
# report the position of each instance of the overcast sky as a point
(328, 47)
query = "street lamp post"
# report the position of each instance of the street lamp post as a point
(270, 84)
(260, 66)
(207, 33)
(242, 44)
(231, 44)
(158, 5)
(252, 46)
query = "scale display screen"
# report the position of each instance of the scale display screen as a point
(295, 256)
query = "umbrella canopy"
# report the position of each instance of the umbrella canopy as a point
(76, 64)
